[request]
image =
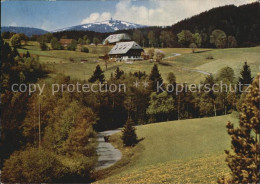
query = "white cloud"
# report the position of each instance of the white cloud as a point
(47, 25)
(165, 12)
(13, 24)
(96, 17)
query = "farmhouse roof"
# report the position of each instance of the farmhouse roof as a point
(117, 38)
(124, 47)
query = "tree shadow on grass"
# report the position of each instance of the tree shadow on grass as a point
(141, 139)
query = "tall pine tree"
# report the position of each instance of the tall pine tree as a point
(155, 79)
(244, 159)
(129, 136)
(118, 73)
(97, 75)
(27, 54)
(245, 79)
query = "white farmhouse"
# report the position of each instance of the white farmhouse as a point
(126, 51)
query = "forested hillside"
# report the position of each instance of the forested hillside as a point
(241, 24)
(53, 133)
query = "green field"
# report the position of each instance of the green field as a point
(177, 151)
(185, 151)
(186, 66)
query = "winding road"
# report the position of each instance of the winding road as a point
(108, 155)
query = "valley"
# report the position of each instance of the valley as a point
(184, 66)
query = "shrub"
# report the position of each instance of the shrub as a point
(16, 40)
(55, 44)
(85, 49)
(71, 47)
(209, 57)
(71, 60)
(43, 45)
(129, 136)
(32, 166)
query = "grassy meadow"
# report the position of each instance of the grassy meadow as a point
(187, 67)
(184, 151)
(176, 151)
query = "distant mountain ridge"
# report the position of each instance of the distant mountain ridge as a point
(104, 26)
(28, 31)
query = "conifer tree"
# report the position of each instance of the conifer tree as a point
(118, 73)
(244, 159)
(129, 136)
(15, 52)
(97, 75)
(245, 78)
(155, 77)
(27, 54)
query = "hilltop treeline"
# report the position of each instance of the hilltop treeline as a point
(242, 23)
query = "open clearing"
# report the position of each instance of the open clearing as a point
(185, 66)
(178, 151)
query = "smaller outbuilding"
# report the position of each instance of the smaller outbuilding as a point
(126, 51)
(65, 42)
(115, 38)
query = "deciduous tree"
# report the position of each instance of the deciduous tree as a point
(138, 36)
(185, 38)
(96, 41)
(55, 44)
(160, 106)
(218, 38)
(231, 42)
(167, 39)
(151, 38)
(197, 39)
(16, 40)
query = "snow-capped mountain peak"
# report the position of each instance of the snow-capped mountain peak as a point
(104, 26)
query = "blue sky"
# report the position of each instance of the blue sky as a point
(52, 15)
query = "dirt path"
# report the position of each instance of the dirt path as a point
(107, 153)
(199, 71)
(172, 55)
(192, 70)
